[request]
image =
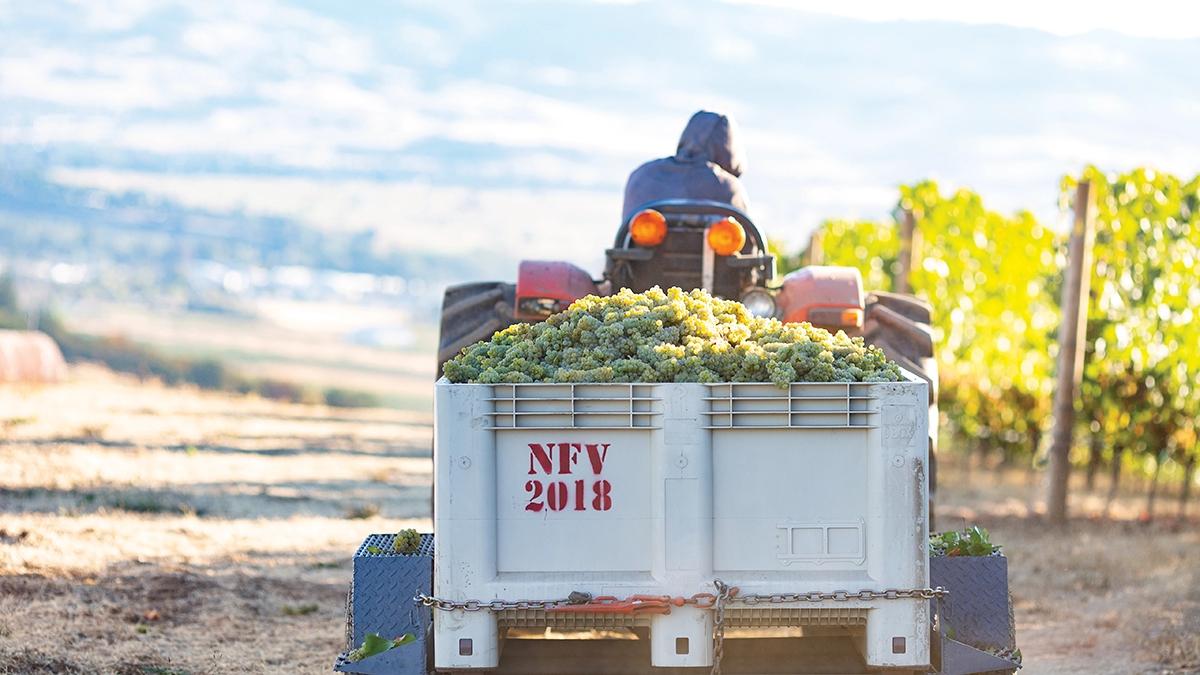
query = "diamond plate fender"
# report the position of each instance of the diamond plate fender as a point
(978, 611)
(381, 602)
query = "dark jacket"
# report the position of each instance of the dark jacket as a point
(705, 166)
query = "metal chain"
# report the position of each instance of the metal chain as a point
(843, 596)
(699, 600)
(495, 605)
(724, 594)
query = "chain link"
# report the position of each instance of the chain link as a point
(724, 594)
(494, 605)
(842, 596)
(699, 600)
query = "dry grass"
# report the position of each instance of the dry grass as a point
(202, 533)
(199, 533)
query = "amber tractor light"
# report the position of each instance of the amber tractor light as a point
(648, 228)
(726, 236)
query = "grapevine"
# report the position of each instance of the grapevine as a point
(995, 282)
(991, 280)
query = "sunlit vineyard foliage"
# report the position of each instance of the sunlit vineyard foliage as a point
(991, 281)
(994, 281)
(1142, 377)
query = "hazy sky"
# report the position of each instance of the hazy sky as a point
(1146, 18)
(510, 127)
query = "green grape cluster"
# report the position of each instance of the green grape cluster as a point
(407, 542)
(667, 336)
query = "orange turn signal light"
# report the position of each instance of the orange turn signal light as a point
(648, 228)
(852, 317)
(726, 236)
(831, 317)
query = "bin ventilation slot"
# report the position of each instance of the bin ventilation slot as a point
(736, 617)
(773, 617)
(808, 405)
(574, 406)
(537, 618)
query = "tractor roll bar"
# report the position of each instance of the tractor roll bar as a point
(704, 207)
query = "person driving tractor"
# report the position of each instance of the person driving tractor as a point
(706, 165)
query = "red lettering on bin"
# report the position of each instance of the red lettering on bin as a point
(542, 456)
(575, 495)
(596, 457)
(566, 457)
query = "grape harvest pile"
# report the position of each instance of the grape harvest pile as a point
(667, 336)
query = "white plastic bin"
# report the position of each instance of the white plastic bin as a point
(622, 489)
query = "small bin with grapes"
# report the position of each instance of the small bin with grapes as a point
(386, 632)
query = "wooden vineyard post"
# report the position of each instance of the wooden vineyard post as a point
(816, 255)
(910, 245)
(1189, 474)
(1072, 337)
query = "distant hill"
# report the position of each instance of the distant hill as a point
(151, 243)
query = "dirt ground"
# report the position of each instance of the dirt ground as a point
(154, 530)
(1114, 595)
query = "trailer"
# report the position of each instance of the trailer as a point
(663, 528)
(695, 243)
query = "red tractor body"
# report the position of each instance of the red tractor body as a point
(548, 287)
